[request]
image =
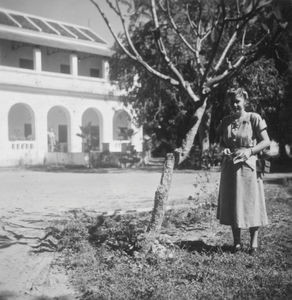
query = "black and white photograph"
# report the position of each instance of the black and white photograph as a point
(145, 149)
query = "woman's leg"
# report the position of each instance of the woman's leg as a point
(236, 236)
(254, 232)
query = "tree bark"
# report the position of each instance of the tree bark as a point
(187, 144)
(161, 194)
(204, 130)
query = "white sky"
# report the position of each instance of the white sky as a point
(79, 12)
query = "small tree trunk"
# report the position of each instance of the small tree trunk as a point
(161, 194)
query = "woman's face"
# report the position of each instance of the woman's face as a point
(237, 103)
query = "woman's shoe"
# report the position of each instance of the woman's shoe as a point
(237, 248)
(253, 251)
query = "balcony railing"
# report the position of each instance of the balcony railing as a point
(55, 81)
(22, 145)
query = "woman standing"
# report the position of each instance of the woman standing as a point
(241, 201)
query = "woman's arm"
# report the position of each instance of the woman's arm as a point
(245, 153)
(263, 144)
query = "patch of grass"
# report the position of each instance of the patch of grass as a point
(97, 256)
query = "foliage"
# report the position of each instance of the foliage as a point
(164, 110)
(266, 88)
(89, 137)
(205, 160)
(129, 157)
(119, 232)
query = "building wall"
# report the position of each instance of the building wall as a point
(52, 59)
(41, 104)
(32, 102)
(10, 56)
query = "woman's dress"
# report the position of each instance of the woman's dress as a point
(241, 200)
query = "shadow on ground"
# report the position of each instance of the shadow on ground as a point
(201, 247)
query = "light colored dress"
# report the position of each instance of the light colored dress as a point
(241, 200)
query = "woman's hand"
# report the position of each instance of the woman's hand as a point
(227, 152)
(243, 154)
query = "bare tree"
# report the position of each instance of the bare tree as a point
(225, 29)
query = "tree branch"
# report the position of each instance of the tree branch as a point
(188, 45)
(219, 78)
(184, 84)
(216, 45)
(233, 38)
(137, 56)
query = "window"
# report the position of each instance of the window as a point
(94, 72)
(65, 69)
(26, 63)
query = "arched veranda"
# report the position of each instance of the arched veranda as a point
(58, 121)
(21, 123)
(122, 126)
(91, 130)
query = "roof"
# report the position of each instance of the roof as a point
(21, 27)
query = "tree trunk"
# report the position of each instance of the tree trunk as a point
(187, 144)
(161, 194)
(204, 130)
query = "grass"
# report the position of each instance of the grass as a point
(104, 259)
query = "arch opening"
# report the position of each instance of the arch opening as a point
(91, 130)
(122, 130)
(21, 123)
(58, 122)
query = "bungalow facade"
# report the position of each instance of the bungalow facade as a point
(54, 79)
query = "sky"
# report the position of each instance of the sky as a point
(79, 12)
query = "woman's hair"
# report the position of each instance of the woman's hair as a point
(238, 92)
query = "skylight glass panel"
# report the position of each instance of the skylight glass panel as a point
(92, 35)
(77, 33)
(24, 22)
(60, 29)
(5, 20)
(44, 27)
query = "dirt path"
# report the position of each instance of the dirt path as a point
(30, 200)
(25, 272)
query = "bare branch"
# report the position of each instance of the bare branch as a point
(233, 38)
(219, 78)
(255, 9)
(137, 56)
(173, 24)
(216, 44)
(186, 85)
(188, 45)
(227, 48)
(192, 24)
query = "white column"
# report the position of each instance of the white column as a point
(137, 139)
(4, 144)
(37, 59)
(105, 69)
(107, 126)
(74, 64)
(41, 139)
(76, 141)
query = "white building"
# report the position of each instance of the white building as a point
(54, 77)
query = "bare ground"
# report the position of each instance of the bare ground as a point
(31, 199)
